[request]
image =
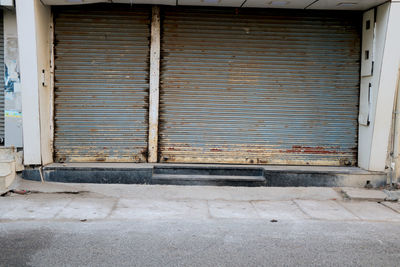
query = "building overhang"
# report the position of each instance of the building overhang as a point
(293, 4)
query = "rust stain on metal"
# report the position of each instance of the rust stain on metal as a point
(311, 150)
(145, 153)
(101, 83)
(259, 87)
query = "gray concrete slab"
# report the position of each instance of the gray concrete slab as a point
(325, 210)
(364, 194)
(91, 206)
(184, 192)
(392, 195)
(47, 187)
(372, 211)
(144, 209)
(232, 209)
(85, 208)
(150, 202)
(8, 204)
(279, 210)
(31, 207)
(392, 205)
(282, 193)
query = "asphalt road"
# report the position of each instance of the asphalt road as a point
(217, 242)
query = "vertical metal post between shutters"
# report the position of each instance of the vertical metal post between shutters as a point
(259, 86)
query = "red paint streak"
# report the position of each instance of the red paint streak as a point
(310, 150)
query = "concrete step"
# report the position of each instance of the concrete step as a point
(142, 173)
(196, 179)
(208, 170)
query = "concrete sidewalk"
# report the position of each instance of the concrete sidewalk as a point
(59, 201)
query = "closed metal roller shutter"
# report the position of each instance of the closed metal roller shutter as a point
(101, 83)
(2, 85)
(259, 86)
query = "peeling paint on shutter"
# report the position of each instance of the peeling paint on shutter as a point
(101, 83)
(259, 86)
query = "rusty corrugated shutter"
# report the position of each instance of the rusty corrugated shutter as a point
(259, 86)
(2, 87)
(101, 83)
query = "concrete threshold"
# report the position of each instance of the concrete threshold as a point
(143, 173)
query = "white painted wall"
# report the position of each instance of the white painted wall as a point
(386, 91)
(26, 23)
(374, 138)
(366, 66)
(33, 22)
(366, 131)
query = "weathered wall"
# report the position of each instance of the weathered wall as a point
(43, 30)
(374, 138)
(33, 21)
(386, 91)
(369, 102)
(26, 24)
(12, 94)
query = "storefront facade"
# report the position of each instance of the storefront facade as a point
(232, 85)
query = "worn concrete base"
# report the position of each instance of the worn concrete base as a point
(322, 178)
(275, 176)
(8, 167)
(393, 206)
(392, 195)
(171, 192)
(7, 174)
(96, 174)
(365, 194)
